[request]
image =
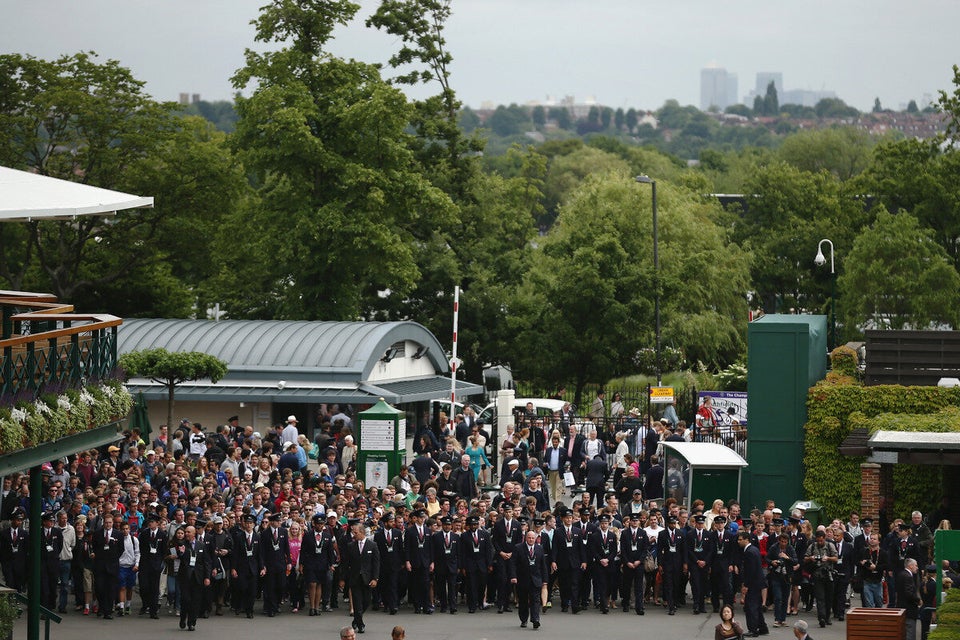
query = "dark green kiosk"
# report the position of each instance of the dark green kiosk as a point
(382, 445)
(701, 470)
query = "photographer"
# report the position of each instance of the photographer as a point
(781, 562)
(821, 559)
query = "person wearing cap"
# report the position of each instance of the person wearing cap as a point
(820, 560)
(50, 549)
(904, 545)
(602, 547)
(725, 543)
(317, 556)
(247, 567)
(290, 432)
(569, 561)
(275, 548)
(198, 442)
(506, 536)
(192, 577)
(220, 549)
(361, 559)
(389, 541)
(672, 556)
(476, 562)
(634, 548)
(153, 550)
(446, 563)
(418, 553)
(528, 572)
(701, 548)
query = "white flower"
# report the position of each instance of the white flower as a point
(86, 398)
(18, 415)
(43, 408)
(107, 390)
(64, 403)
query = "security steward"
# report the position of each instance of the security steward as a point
(476, 562)
(701, 548)
(317, 555)
(671, 551)
(247, 566)
(418, 550)
(725, 543)
(603, 554)
(275, 550)
(153, 550)
(568, 561)
(446, 565)
(633, 551)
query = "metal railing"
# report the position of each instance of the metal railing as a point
(45, 344)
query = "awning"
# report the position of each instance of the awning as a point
(914, 447)
(28, 196)
(394, 392)
(432, 388)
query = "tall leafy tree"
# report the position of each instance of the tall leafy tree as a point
(897, 277)
(344, 205)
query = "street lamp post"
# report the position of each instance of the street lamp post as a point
(820, 260)
(656, 273)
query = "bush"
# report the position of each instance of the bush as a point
(844, 361)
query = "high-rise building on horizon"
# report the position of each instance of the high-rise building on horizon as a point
(718, 87)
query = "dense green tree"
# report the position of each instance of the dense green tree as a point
(897, 277)
(587, 299)
(739, 110)
(606, 117)
(468, 120)
(949, 103)
(79, 119)
(877, 107)
(912, 107)
(566, 172)
(631, 119)
(539, 115)
(759, 107)
(561, 115)
(798, 111)
(345, 209)
(619, 118)
(771, 104)
(508, 121)
(835, 108)
(843, 151)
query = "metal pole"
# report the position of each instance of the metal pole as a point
(36, 537)
(833, 308)
(656, 280)
(453, 357)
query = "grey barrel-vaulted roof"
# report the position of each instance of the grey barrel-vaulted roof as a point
(349, 349)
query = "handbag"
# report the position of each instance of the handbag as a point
(650, 563)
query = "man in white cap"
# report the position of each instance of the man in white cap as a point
(290, 432)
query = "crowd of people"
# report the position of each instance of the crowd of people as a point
(230, 519)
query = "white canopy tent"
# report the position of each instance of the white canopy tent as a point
(25, 197)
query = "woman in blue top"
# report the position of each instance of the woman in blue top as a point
(478, 459)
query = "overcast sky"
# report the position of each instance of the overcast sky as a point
(623, 53)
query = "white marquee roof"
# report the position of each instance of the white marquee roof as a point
(707, 454)
(28, 196)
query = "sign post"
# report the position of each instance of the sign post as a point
(661, 395)
(382, 444)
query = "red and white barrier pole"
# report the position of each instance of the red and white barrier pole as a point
(453, 358)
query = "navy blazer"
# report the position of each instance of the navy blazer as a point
(752, 575)
(530, 572)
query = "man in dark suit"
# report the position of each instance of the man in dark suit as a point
(506, 536)
(701, 548)
(446, 565)
(275, 550)
(153, 550)
(596, 478)
(653, 480)
(725, 544)
(464, 482)
(317, 555)
(908, 595)
(50, 547)
(107, 547)
(247, 566)
(633, 551)
(671, 554)
(361, 559)
(554, 460)
(528, 571)
(754, 582)
(192, 578)
(389, 539)
(573, 446)
(14, 544)
(418, 551)
(602, 547)
(844, 572)
(568, 561)
(476, 561)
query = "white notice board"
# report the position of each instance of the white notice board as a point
(377, 435)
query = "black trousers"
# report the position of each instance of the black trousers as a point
(753, 606)
(445, 588)
(671, 582)
(149, 588)
(273, 584)
(840, 596)
(106, 585)
(823, 593)
(475, 582)
(528, 602)
(419, 585)
(604, 582)
(245, 593)
(388, 588)
(504, 588)
(569, 580)
(49, 577)
(698, 584)
(191, 595)
(361, 602)
(632, 579)
(720, 586)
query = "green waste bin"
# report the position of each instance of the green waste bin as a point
(813, 512)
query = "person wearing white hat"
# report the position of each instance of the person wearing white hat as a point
(290, 432)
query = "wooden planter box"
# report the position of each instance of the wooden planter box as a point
(876, 624)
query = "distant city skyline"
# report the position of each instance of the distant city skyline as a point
(622, 53)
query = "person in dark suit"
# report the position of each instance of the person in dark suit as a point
(50, 547)
(446, 565)
(476, 561)
(247, 566)
(389, 540)
(671, 554)
(725, 543)
(14, 545)
(754, 583)
(908, 595)
(573, 445)
(361, 559)
(554, 462)
(418, 551)
(846, 557)
(633, 551)
(107, 547)
(701, 548)
(653, 480)
(317, 555)
(596, 479)
(153, 550)
(506, 536)
(602, 547)
(568, 561)
(275, 550)
(528, 572)
(192, 577)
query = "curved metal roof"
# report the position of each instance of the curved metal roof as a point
(707, 454)
(281, 345)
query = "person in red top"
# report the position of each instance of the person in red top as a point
(706, 420)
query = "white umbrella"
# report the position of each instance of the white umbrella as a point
(28, 196)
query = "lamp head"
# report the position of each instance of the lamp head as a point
(820, 260)
(644, 179)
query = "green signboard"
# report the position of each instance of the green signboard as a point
(382, 445)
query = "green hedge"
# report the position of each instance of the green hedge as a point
(835, 409)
